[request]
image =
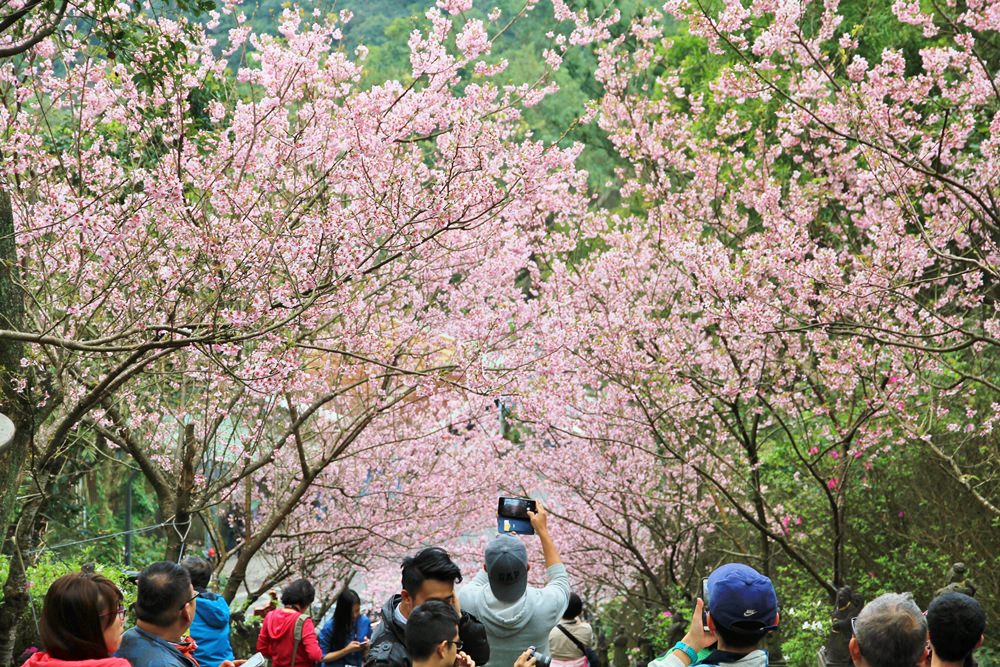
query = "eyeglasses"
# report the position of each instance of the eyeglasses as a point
(457, 642)
(120, 612)
(191, 600)
(854, 631)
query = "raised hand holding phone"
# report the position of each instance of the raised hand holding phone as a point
(698, 635)
(539, 517)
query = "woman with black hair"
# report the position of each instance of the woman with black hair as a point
(347, 634)
(83, 618)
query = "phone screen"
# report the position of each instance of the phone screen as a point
(704, 598)
(515, 508)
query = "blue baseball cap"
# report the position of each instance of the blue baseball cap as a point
(742, 598)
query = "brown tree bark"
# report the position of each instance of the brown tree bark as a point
(12, 403)
(178, 533)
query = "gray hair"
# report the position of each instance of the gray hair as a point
(891, 631)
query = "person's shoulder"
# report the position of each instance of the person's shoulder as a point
(380, 631)
(669, 660)
(468, 617)
(387, 634)
(216, 600)
(387, 651)
(132, 639)
(111, 662)
(141, 651)
(471, 595)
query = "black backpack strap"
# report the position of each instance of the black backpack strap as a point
(576, 642)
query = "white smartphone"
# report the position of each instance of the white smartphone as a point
(256, 660)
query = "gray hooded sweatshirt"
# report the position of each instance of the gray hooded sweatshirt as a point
(512, 627)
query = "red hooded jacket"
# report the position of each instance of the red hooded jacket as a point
(277, 639)
(42, 659)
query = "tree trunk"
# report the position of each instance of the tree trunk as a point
(16, 596)
(760, 510)
(178, 534)
(12, 403)
(239, 573)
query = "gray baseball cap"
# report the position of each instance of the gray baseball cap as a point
(507, 567)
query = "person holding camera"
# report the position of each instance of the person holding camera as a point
(432, 638)
(742, 611)
(516, 615)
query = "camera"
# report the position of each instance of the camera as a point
(541, 659)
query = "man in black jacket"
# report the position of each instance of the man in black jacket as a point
(430, 575)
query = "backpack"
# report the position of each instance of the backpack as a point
(592, 658)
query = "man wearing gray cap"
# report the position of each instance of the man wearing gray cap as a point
(516, 615)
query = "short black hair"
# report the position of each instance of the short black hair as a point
(431, 563)
(199, 569)
(955, 622)
(163, 589)
(299, 593)
(740, 638)
(427, 626)
(574, 607)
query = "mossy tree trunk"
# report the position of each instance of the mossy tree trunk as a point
(15, 404)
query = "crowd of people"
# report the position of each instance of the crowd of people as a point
(497, 619)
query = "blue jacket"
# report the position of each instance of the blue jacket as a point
(145, 650)
(210, 630)
(362, 631)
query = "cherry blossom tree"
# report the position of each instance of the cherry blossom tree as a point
(255, 280)
(799, 285)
